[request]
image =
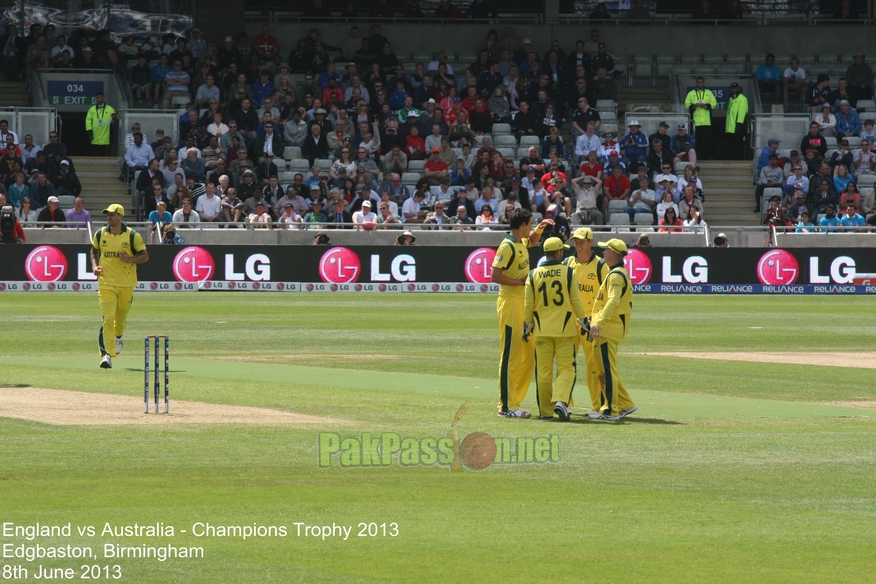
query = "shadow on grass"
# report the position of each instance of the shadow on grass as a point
(650, 421)
(14, 385)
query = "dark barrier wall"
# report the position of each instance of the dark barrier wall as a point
(657, 270)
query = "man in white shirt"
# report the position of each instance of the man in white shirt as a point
(587, 142)
(411, 212)
(642, 200)
(261, 218)
(440, 58)
(356, 83)
(486, 199)
(794, 79)
(138, 154)
(364, 214)
(290, 219)
(209, 206)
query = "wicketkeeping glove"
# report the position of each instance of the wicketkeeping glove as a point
(527, 330)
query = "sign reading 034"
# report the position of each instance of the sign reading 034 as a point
(73, 92)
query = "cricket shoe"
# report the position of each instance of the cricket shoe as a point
(120, 344)
(594, 414)
(106, 362)
(609, 417)
(625, 413)
(518, 413)
(562, 410)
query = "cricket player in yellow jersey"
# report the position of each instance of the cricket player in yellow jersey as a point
(510, 269)
(590, 271)
(115, 252)
(554, 312)
(609, 326)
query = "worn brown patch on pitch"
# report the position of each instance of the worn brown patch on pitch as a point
(77, 408)
(864, 404)
(279, 359)
(856, 360)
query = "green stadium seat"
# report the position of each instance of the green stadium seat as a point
(691, 59)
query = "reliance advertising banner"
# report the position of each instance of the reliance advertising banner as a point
(437, 269)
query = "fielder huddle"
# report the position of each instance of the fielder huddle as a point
(559, 297)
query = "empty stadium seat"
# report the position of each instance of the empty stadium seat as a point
(866, 181)
(292, 152)
(714, 59)
(691, 59)
(865, 105)
(854, 142)
(287, 177)
(679, 167)
(504, 141)
(66, 201)
(479, 140)
(529, 141)
(645, 230)
(467, 58)
(411, 177)
(506, 152)
(831, 142)
(501, 129)
(619, 219)
(416, 165)
(324, 164)
(664, 64)
(299, 165)
(644, 219)
(423, 57)
(643, 66)
(537, 218)
(523, 152)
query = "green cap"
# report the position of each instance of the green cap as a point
(554, 244)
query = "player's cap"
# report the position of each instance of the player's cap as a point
(463, 189)
(583, 233)
(615, 245)
(614, 154)
(365, 204)
(554, 244)
(114, 208)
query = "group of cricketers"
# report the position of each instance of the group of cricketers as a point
(546, 313)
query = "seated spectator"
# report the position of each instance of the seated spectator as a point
(825, 196)
(848, 122)
(634, 145)
(548, 121)
(684, 146)
(797, 179)
(843, 156)
(688, 200)
(770, 176)
(670, 222)
(160, 215)
(814, 140)
(525, 123)
(616, 188)
(859, 76)
(842, 178)
(604, 85)
(592, 167)
(830, 219)
(554, 143)
(659, 159)
(793, 81)
(771, 149)
(411, 209)
(78, 216)
(462, 220)
(613, 161)
(436, 169)
(194, 166)
(819, 94)
(18, 191)
(587, 142)
(799, 207)
(609, 145)
(486, 219)
(851, 196)
(667, 201)
(259, 217)
(804, 225)
(826, 121)
(209, 206)
(185, 214)
(642, 200)
(694, 222)
(176, 84)
(316, 215)
(865, 159)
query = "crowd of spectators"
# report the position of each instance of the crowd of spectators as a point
(410, 143)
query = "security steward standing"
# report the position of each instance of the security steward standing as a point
(609, 326)
(737, 121)
(590, 271)
(98, 121)
(553, 311)
(700, 102)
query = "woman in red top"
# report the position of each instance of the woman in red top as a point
(447, 103)
(669, 222)
(497, 165)
(851, 196)
(415, 145)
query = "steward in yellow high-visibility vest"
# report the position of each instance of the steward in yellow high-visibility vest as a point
(700, 102)
(737, 121)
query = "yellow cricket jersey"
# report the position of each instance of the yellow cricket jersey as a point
(614, 305)
(553, 301)
(115, 271)
(512, 258)
(590, 275)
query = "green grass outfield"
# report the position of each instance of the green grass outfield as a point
(729, 471)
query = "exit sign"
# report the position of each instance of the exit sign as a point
(73, 92)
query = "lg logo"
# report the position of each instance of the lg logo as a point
(193, 264)
(778, 268)
(478, 265)
(339, 265)
(638, 266)
(45, 264)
